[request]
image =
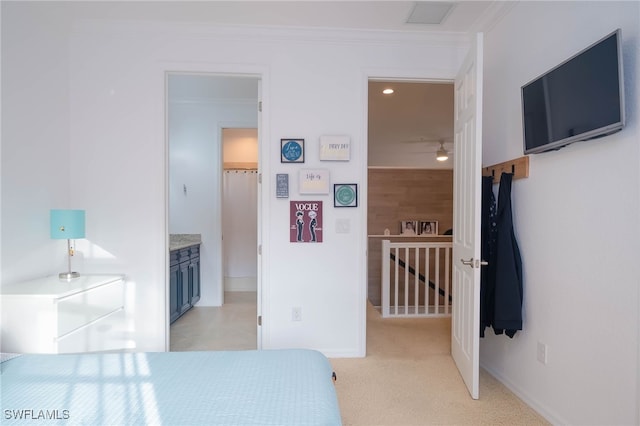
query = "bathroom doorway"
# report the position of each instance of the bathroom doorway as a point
(200, 106)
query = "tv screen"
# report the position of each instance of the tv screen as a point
(580, 99)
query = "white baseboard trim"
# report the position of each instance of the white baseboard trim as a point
(545, 412)
(240, 284)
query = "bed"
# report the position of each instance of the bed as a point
(270, 387)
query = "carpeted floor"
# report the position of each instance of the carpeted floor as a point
(409, 378)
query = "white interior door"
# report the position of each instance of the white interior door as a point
(259, 224)
(465, 321)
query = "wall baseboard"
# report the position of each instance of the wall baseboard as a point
(545, 412)
(240, 284)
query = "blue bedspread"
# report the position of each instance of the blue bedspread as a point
(277, 387)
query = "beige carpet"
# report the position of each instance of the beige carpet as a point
(409, 378)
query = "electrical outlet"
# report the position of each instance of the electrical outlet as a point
(296, 314)
(542, 353)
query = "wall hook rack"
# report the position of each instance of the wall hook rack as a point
(518, 167)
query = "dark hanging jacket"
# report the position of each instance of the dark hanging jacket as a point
(487, 252)
(507, 316)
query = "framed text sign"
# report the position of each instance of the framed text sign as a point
(313, 181)
(282, 185)
(292, 150)
(335, 148)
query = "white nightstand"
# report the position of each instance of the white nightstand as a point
(47, 315)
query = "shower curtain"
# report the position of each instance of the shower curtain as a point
(240, 226)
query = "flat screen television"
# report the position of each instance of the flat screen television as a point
(580, 99)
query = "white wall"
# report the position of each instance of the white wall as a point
(240, 145)
(576, 221)
(35, 140)
(195, 128)
(314, 83)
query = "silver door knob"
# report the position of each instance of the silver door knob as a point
(474, 263)
(467, 262)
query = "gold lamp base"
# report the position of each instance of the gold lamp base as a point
(68, 276)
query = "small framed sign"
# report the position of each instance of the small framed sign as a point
(335, 148)
(313, 181)
(345, 195)
(292, 150)
(282, 185)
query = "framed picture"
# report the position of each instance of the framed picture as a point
(335, 148)
(409, 227)
(345, 195)
(305, 221)
(428, 227)
(282, 185)
(292, 150)
(313, 181)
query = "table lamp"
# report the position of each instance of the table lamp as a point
(67, 224)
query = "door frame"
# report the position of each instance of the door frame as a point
(389, 75)
(262, 74)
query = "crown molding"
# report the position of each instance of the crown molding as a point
(257, 34)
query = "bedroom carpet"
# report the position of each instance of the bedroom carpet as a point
(408, 377)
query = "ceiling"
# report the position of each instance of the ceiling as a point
(464, 16)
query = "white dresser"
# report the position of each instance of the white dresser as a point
(47, 315)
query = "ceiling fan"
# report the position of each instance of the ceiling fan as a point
(442, 154)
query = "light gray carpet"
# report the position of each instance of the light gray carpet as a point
(409, 378)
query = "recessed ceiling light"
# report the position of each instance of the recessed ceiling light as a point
(387, 91)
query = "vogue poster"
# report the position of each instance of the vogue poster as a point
(305, 222)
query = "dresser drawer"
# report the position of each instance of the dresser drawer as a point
(104, 335)
(83, 308)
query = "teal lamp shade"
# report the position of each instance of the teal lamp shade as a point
(67, 224)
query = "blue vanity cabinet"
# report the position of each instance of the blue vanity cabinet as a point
(194, 275)
(184, 280)
(174, 282)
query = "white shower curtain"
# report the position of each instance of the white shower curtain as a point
(240, 223)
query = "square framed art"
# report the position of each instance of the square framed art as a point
(345, 195)
(292, 150)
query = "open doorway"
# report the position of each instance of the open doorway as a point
(407, 129)
(201, 108)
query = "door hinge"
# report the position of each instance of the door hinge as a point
(259, 248)
(260, 106)
(260, 320)
(259, 177)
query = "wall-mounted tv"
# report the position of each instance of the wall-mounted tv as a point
(580, 99)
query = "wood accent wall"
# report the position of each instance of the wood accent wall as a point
(409, 194)
(404, 194)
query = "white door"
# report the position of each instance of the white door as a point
(466, 217)
(260, 224)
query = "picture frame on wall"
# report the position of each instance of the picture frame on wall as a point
(345, 195)
(313, 181)
(335, 148)
(428, 227)
(292, 150)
